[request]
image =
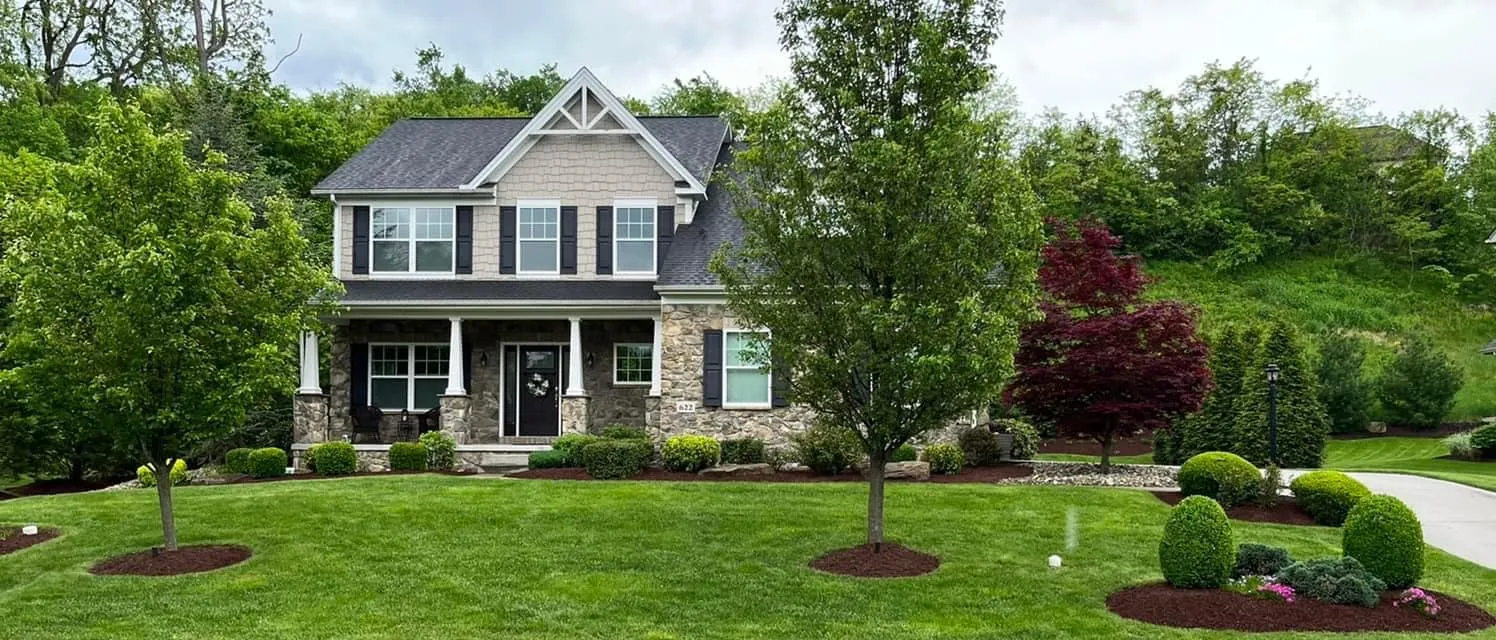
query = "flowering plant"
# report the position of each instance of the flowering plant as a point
(1419, 600)
(1262, 587)
(1276, 590)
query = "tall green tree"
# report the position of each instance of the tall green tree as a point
(1303, 426)
(1212, 428)
(702, 95)
(1343, 388)
(173, 305)
(891, 244)
(1417, 388)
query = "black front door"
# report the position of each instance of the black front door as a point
(539, 391)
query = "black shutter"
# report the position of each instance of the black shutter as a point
(568, 239)
(467, 366)
(358, 383)
(711, 368)
(464, 261)
(605, 240)
(780, 385)
(360, 239)
(506, 239)
(664, 233)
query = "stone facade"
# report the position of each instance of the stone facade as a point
(309, 418)
(455, 414)
(574, 414)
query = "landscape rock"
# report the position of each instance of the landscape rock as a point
(1377, 427)
(1089, 474)
(756, 469)
(907, 471)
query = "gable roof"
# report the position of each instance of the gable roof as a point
(714, 225)
(446, 153)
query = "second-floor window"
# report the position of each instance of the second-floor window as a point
(539, 237)
(633, 237)
(412, 239)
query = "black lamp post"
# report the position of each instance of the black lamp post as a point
(1272, 413)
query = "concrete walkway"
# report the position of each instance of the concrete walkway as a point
(1456, 518)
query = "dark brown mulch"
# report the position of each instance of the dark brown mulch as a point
(243, 479)
(1287, 510)
(1217, 609)
(967, 475)
(893, 561)
(1131, 446)
(11, 539)
(1393, 431)
(155, 562)
(54, 487)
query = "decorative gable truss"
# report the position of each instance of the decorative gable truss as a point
(585, 107)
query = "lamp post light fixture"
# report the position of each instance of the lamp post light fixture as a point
(1272, 413)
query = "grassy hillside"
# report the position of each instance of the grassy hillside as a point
(1370, 298)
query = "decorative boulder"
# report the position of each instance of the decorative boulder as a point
(735, 470)
(1377, 427)
(916, 470)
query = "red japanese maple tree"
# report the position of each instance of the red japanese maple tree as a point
(1103, 363)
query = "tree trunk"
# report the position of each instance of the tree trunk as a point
(875, 500)
(75, 470)
(163, 496)
(1106, 454)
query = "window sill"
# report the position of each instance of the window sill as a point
(747, 407)
(537, 275)
(631, 384)
(411, 275)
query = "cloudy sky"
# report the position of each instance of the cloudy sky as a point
(1078, 55)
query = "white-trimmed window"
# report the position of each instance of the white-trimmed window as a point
(539, 236)
(412, 239)
(407, 376)
(633, 363)
(634, 237)
(746, 378)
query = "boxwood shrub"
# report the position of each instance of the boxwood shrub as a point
(980, 446)
(1483, 440)
(905, 453)
(827, 449)
(1327, 495)
(624, 432)
(407, 456)
(945, 458)
(615, 459)
(1383, 534)
(571, 445)
(335, 458)
(1334, 580)
(547, 460)
(1225, 477)
(1025, 437)
(147, 476)
(1197, 551)
(1260, 560)
(441, 450)
(742, 451)
(269, 462)
(237, 460)
(690, 453)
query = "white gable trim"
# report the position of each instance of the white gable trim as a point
(583, 81)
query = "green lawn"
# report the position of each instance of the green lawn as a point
(1417, 456)
(449, 557)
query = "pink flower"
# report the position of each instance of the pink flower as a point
(1281, 591)
(1419, 600)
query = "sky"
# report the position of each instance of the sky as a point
(1079, 56)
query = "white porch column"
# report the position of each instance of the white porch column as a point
(454, 360)
(574, 386)
(310, 382)
(654, 359)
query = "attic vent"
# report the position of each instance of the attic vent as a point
(681, 184)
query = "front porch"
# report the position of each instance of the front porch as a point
(497, 386)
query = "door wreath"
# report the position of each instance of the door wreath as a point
(538, 386)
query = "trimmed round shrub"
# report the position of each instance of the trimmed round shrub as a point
(1025, 437)
(624, 432)
(1334, 580)
(407, 456)
(237, 460)
(1327, 496)
(616, 459)
(1462, 445)
(547, 460)
(980, 446)
(1483, 440)
(269, 462)
(1383, 534)
(1260, 560)
(1197, 551)
(335, 458)
(827, 449)
(743, 451)
(441, 450)
(690, 453)
(945, 458)
(146, 474)
(905, 453)
(1225, 477)
(571, 445)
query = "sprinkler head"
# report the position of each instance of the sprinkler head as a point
(1054, 562)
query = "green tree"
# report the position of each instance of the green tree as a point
(1303, 426)
(1343, 388)
(1213, 427)
(1418, 386)
(702, 95)
(891, 245)
(172, 303)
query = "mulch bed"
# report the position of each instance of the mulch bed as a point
(54, 487)
(893, 561)
(967, 475)
(11, 539)
(243, 479)
(1287, 510)
(1218, 609)
(1448, 428)
(156, 562)
(1132, 446)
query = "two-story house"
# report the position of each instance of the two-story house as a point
(529, 277)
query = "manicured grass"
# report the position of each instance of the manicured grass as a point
(449, 557)
(1418, 456)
